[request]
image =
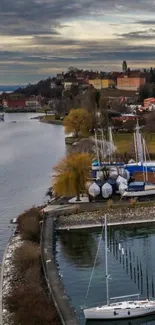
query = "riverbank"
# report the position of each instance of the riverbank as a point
(22, 110)
(121, 215)
(50, 119)
(25, 299)
(8, 276)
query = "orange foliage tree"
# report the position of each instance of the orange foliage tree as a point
(78, 121)
(72, 174)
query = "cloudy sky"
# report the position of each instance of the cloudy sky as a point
(39, 38)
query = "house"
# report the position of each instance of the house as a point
(69, 82)
(60, 76)
(108, 82)
(14, 103)
(96, 83)
(32, 102)
(79, 75)
(126, 117)
(100, 83)
(85, 83)
(131, 81)
(148, 102)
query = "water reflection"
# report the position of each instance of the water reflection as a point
(79, 248)
(130, 273)
(142, 320)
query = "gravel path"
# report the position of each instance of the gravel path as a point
(122, 215)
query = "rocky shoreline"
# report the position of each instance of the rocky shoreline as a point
(55, 122)
(9, 277)
(122, 215)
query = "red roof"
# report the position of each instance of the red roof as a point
(115, 74)
(132, 74)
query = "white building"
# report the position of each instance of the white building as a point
(32, 102)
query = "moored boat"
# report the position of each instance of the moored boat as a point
(139, 189)
(118, 310)
(122, 310)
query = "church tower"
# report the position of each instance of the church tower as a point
(124, 66)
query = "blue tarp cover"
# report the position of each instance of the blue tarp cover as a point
(136, 186)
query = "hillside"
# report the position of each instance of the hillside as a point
(43, 88)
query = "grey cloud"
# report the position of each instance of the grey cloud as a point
(40, 19)
(147, 34)
(20, 17)
(145, 22)
(87, 51)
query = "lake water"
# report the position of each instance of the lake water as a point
(28, 150)
(131, 273)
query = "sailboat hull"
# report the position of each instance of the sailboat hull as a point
(122, 311)
(139, 193)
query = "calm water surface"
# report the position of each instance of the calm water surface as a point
(28, 150)
(131, 273)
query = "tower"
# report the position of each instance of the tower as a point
(124, 66)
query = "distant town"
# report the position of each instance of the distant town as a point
(71, 89)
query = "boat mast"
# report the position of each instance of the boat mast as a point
(102, 144)
(110, 144)
(135, 144)
(97, 151)
(139, 144)
(146, 174)
(106, 261)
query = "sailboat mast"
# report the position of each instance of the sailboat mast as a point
(97, 150)
(110, 144)
(139, 144)
(102, 145)
(106, 261)
(135, 144)
(144, 147)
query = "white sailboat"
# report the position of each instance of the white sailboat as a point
(141, 189)
(119, 310)
(139, 165)
(107, 150)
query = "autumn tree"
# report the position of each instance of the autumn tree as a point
(72, 174)
(78, 122)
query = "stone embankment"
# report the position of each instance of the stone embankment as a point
(8, 276)
(53, 279)
(123, 215)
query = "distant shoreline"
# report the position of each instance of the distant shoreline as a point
(48, 120)
(21, 111)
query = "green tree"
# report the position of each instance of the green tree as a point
(144, 92)
(97, 98)
(72, 174)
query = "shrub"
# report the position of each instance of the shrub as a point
(110, 203)
(133, 202)
(30, 305)
(28, 224)
(76, 208)
(27, 300)
(26, 256)
(33, 273)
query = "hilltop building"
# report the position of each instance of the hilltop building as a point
(100, 83)
(124, 66)
(131, 81)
